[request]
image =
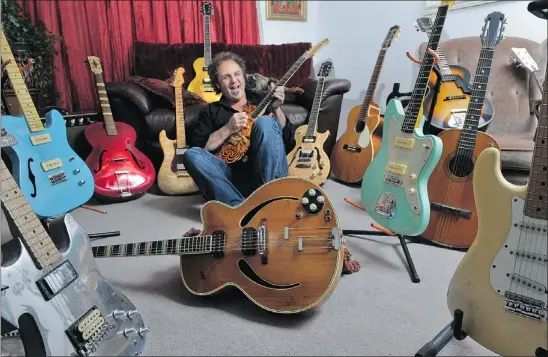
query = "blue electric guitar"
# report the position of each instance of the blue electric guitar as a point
(394, 187)
(53, 178)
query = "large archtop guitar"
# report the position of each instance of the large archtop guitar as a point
(394, 188)
(57, 283)
(173, 178)
(501, 284)
(53, 178)
(121, 172)
(355, 149)
(453, 218)
(282, 247)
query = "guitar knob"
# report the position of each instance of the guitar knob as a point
(81, 182)
(117, 314)
(413, 177)
(143, 331)
(129, 331)
(320, 199)
(312, 192)
(313, 175)
(313, 207)
(411, 191)
(304, 200)
(132, 313)
(76, 171)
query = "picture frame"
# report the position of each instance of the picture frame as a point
(431, 6)
(286, 10)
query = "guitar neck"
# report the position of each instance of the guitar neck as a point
(33, 235)
(372, 85)
(180, 118)
(207, 41)
(20, 88)
(315, 111)
(415, 103)
(445, 69)
(536, 201)
(110, 126)
(467, 140)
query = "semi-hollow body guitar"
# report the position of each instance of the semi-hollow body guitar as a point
(356, 148)
(394, 188)
(53, 178)
(308, 158)
(501, 284)
(453, 218)
(121, 171)
(74, 310)
(282, 247)
(173, 178)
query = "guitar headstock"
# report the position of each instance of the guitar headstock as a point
(447, 3)
(312, 52)
(424, 24)
(206, 9)
(523, 59)
(325, 69)
(95, 64)
(392, 36)
(178, 79)
(493, 29)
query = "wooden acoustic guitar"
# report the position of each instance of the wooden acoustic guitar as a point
(282, 247)
(201, 84)
(173, 178)
(453, 96)
(356, 148)
(120, 170)
(308, 159)
(453, 218)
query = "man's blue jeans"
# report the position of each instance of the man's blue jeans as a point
(232, 183)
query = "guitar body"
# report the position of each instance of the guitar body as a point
(451, 184)
(314, 166)
(169, 181)
(90, 290)
(46, 191)
(290, 280)
(201, 84)
(349, 159)
(121, 171)
(474, 284)
(402, 206)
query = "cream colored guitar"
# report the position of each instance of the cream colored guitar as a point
(501, 283)
(308, 159)
(173, 179)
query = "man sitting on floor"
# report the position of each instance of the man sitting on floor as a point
(271, 135)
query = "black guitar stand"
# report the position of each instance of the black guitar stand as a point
(93, 236)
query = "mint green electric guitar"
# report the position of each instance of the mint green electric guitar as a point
(394, 187)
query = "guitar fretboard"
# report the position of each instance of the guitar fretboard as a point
(20, 88)
(467, 140)
(415, 103)
(372, 85)
(110, 126)
(180, 118)
(536, 202)
(207, 41)
(315, 111)
(35, 238)
(181, 246)
(445, 69)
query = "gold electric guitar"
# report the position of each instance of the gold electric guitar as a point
(201, 84)
(173, 179)
(308, 159)
(501, 283)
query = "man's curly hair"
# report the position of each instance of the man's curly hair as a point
(213, 69)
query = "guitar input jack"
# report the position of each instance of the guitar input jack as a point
(299, 215)
(327, 218)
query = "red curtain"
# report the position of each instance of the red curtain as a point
(107, 29)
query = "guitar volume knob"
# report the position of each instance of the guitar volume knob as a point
(76, 171)
(411, 191)
(312, 192)
(304, 200)
(81, 182)
(313, 207)
(143, 331)
(320, 199)
(413, 177)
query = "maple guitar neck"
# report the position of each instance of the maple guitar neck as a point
(110, 126)
(180, 118)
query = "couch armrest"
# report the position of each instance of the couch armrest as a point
(131, 92)
(332, 86)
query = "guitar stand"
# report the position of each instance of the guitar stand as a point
(454, 329)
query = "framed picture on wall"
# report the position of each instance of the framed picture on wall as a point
(286, 10)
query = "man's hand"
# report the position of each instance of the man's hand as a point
(279, 96)
(237, 122)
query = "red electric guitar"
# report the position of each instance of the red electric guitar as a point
(120, 170)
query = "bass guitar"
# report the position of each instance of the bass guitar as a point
(53, 178)
(173, 178)
(454, 93)
(356, 148)
(282, 247)
(201, 84)
(75, 311)
(453, 218)
(236, 146)
(121, 171)
(308, 158)
(501, 283)
(394, 188)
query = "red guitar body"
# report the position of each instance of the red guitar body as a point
(120, 170)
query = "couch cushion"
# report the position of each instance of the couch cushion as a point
(514, 142)
(516, 160)
(165, 90)
(296, 114)
(164, 119)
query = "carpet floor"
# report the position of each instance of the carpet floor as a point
(376, 311)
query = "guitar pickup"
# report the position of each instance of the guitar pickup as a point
(351, 148)
(404, 143)
(40, 139)
(397, 169)
(121, 159)
(57, 280)
(459, 212)
(51, 164)
(309, 139)
(303, 166)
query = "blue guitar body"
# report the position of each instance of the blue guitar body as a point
(394, 188)
(53, 178)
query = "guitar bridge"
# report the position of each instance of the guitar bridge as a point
(57, 178)
(351, 148)
(524, 306)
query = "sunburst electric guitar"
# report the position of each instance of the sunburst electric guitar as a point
(201, 84)
(308, 159)
(173, 178)
(394, 188)
(356, 148)
(501, 284)
(282, 247)
(453, 218)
